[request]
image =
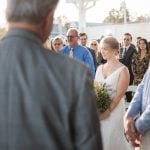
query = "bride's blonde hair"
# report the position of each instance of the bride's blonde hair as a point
(112, 42)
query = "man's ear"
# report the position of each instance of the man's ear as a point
(47, 24)
(48, 18)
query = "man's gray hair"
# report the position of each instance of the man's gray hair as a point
(32, 11)
(75, 31)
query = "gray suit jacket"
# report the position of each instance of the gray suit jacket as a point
(46, 99)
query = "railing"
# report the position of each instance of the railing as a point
(131, 88)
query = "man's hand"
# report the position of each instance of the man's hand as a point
(131, 134)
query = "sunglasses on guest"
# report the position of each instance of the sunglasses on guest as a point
(125, 39)
(94, 44)
(57, 44)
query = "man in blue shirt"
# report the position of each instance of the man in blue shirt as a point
(137, 118)
(79, 52)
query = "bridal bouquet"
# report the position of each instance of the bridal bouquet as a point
(102, 98)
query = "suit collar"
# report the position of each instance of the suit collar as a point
(127, 47)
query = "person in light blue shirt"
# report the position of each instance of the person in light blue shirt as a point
(137, 117)
(80, 53)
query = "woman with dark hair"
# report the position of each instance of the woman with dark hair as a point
(140, 61)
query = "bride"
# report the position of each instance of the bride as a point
(116, 78)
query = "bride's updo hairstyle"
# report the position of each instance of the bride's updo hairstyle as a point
(112, 42)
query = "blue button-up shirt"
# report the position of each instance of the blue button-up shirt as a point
(141, 104)
(82, 54)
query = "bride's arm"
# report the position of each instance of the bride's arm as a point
(122, 86)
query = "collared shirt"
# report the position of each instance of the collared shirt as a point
(82, 54)
(141, 104)
(127, 47)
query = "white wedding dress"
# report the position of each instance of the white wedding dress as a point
(112, 127)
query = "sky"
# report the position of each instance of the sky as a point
(100, 11)
(2, 12)
(95, 14)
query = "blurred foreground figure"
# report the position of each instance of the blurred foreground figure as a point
(137, 117)
(46, 99)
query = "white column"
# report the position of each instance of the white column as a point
(82, 6)
(82, 16)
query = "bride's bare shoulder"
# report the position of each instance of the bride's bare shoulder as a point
(100, 66)
(122, 65)
(124, 71)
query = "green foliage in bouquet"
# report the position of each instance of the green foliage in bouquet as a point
(102, 98)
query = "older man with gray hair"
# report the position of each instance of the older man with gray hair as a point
(43, 105)
(78, 52)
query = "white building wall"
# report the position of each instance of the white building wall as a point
(136, 29)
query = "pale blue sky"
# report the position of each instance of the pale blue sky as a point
(97, 13)
(100, 11)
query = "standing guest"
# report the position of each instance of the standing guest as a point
(137, 129)
(57, 44)
(76, 51)
(149, 44)
(137, 42)
(126, 54)
(95, 46)
(83, 41)
(43, 105)
(140, 61)
(48, 44)
(115, 76)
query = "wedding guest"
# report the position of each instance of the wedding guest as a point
(48, 44)
(93, 44)
(137, 42)
(78, 52)
(57, 44)
(126, 54)
(83, 41)
(137, 117)
(140, 61)
(115, 77)
(46, 99)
